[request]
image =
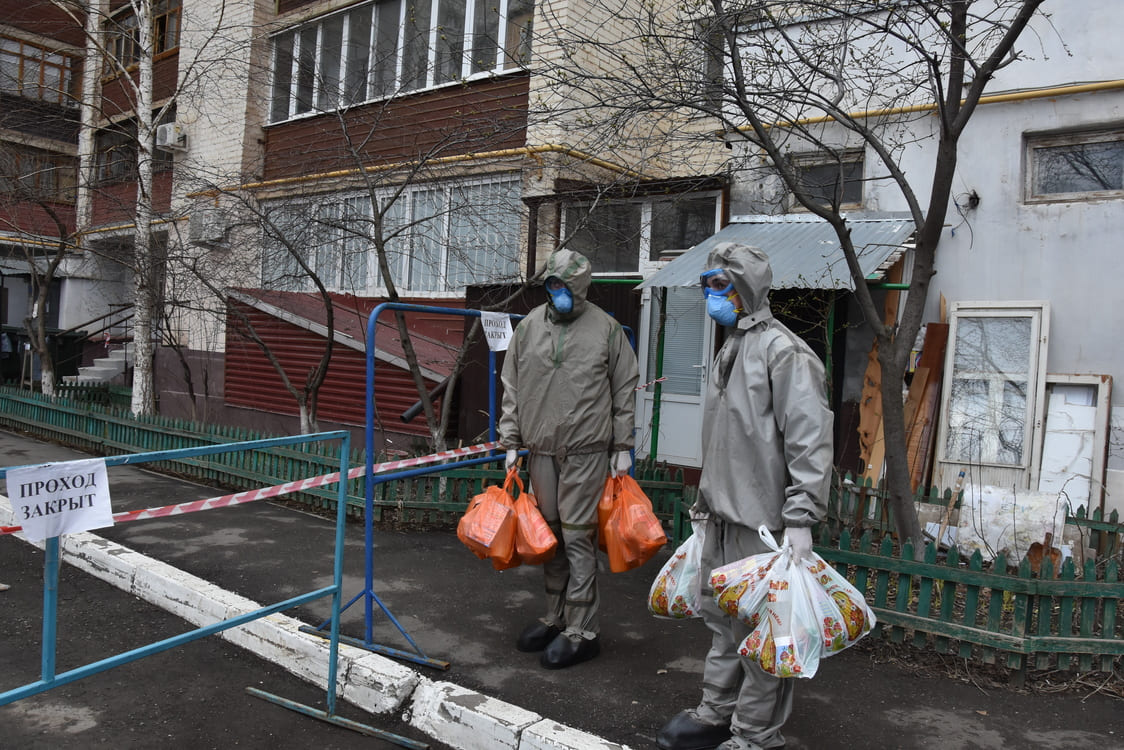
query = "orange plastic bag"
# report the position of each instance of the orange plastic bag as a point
(534, 541)
(632, 534)
(488, 525)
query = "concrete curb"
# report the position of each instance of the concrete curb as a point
(448, 713)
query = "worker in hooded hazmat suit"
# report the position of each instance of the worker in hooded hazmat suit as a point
(569, 378)
(767, 460)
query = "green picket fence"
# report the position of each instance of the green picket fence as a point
(984, 613)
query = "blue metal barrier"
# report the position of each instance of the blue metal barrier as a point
(49, 679)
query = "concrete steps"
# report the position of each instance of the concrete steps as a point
(107, 369)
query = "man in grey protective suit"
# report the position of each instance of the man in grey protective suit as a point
(569, 378)
(767, 459)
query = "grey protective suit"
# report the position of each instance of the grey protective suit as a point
(767, 459)
(569, 382)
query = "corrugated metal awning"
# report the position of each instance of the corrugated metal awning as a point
(803, 250)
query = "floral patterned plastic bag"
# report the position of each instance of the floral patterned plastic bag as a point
(677, 590)
(799, 612)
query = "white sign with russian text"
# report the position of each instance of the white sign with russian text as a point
(497, 329)
(60, 498)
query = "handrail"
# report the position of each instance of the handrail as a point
(117, 309)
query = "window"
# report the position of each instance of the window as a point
(123, 37)
(681, 223)
(379, 49)
(36, 72)
(439, 238)
(616, 234)
(1075, 166)
(993, 405)
(116, 152)
(30, 173)
(607, 233)
(831, 180)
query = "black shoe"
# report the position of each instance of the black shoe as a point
(685, 732)
(565, 651)
(537, 636)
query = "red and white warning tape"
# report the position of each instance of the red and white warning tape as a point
(248, 496)
(650, 382)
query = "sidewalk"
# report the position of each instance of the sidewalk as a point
(457, 609)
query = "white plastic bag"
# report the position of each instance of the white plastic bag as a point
(677, 590)
(856, 618)
(799, 612)
(741, 586)
(786, 641)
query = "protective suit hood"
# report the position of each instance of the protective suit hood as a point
(748, 268)
(576, 272)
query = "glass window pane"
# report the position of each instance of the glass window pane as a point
(609, 235)
(449, 57)
(517, 34)
(989, 404)
(397, 240)
(282, 77)
(683, 342)
(331, 48)
(384, 67)
(358, 54)
(426, 272)
(9, 68)
(356, 245)
(1079, 168)
(681, 223)
(326, 263)
(485, 35)
(306, 69)
(415, 55)
(827, 182)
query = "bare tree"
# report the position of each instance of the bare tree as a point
(783, 79)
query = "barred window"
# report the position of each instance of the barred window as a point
(439, 238)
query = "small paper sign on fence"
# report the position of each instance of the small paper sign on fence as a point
(497, 329)
(60, 498)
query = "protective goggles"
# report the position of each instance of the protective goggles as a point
(715, 282)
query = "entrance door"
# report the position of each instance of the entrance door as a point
(688, 344)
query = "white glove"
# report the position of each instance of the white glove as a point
(510, 459)
(620, 463)
(801, 540)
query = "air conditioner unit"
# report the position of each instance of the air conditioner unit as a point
(171, 137)
(206, 228)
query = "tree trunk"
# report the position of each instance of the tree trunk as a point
(145, 271)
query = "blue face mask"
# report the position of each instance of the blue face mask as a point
(562, 300)
(720, 308)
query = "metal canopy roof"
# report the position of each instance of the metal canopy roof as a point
(803, 250)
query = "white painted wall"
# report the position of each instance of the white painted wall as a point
(1007, 249)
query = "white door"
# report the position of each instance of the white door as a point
(688, 344)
